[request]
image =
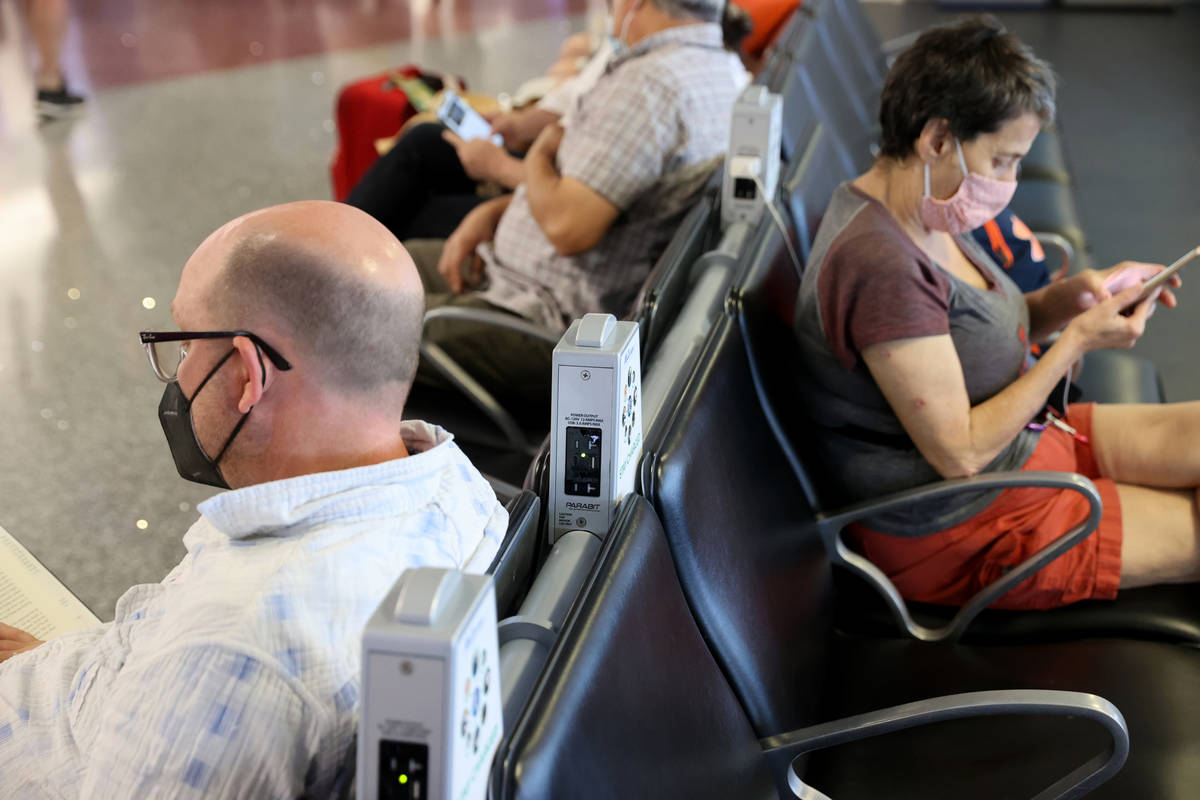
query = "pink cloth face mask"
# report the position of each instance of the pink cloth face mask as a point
(977, 200)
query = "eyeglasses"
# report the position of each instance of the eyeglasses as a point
(167, 349)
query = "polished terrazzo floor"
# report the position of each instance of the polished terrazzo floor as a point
(98, 215)
(196, 118)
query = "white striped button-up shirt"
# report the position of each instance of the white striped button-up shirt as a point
(238, 675)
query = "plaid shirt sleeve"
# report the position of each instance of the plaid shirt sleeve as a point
(619, 141)
(201, 722)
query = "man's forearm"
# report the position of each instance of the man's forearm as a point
(541, 185)
(510, 173)
(495, 208)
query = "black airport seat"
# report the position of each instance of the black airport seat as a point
(828, 91)
(1151, 613)
(867, 46)
(781, 77)
(858, 52)
(667, 286)
(632, 704)
(1155, 685)
(501, 441)
(513, 567)
(766, 290)
(753, 569)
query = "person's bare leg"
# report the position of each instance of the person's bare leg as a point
(1153, 444)
(1152, 451)
(48, 22)
(1160, 541)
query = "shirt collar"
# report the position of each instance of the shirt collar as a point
(291, 505)
(702, 34)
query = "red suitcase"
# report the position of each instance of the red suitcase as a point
(369, 109)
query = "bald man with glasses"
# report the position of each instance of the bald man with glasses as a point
(238, 674)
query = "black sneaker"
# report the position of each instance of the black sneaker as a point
(58, 102)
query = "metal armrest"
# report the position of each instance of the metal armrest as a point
(498, 319)
(462, 380)
(831, 527)
(1092, 773)
(1063, 245)
(479, 396)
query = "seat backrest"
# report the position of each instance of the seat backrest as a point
(764, 299)
(666, 287)
(851, 18)
(631, 703)
(752, 569)
(828, 89)
(809, 183)
(512, 568)
(859, 55)
(791, 31)
(799, 116)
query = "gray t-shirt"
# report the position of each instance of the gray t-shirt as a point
(868, 282)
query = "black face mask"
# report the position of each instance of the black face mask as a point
(175, 414)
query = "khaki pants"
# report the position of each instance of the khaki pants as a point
(514, 368)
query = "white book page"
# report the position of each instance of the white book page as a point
(32, 599)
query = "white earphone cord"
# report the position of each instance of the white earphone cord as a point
(779, 223)
(1067, 389)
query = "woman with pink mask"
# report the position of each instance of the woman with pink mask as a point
(918, 348)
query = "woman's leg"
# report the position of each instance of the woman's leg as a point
(1150, 444)
(1152, 451)
(1160, 541)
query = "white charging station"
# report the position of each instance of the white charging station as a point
(752, 165)
(431, 712)
(596, 435)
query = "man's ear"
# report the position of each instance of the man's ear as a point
(252, 373)
(935, 140)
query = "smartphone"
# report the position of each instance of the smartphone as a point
(1161, 278)
(465, 121)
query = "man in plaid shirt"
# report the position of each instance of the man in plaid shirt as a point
(601, 198)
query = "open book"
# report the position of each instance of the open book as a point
(32, 599)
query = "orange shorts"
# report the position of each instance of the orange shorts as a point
(950, 566)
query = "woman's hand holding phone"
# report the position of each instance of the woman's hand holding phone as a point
(1153, 278)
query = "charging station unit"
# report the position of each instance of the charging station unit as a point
(754, 151)
(596, 431)
(431, 711)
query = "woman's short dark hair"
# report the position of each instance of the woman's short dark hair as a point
(972, 73)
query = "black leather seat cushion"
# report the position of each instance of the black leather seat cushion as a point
(1156, 686)
(631, 703)
(1156, 613)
